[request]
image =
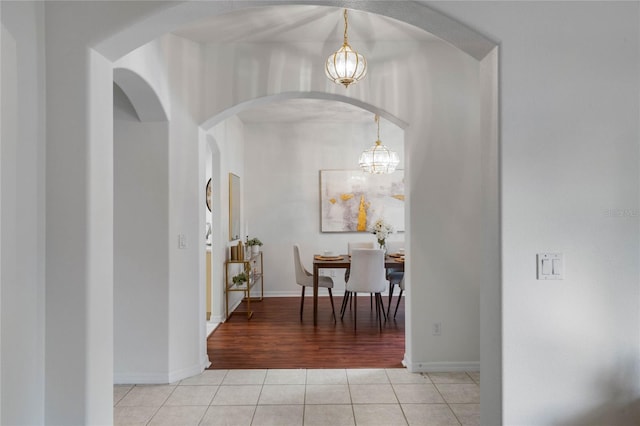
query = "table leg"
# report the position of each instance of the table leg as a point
(315, 294)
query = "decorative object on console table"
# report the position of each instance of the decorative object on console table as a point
(240, 279)
(240, 251)
(254, 244)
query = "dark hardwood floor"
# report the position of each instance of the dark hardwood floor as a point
(275, 337)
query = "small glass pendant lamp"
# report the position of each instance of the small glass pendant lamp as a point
(346, 66)
(379, 159)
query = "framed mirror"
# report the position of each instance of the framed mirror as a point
(234, 207)
(208, 194)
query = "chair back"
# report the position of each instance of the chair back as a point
(394, 247)
(302, 276)
(367, 271)
(360, 245)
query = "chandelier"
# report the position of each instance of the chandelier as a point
(346, 66)
(379, 159)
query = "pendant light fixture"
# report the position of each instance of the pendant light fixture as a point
(346, 66)
(379, 159)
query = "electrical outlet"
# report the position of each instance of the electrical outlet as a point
(182, 241)
(436, 328)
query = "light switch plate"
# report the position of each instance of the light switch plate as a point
(550, 266)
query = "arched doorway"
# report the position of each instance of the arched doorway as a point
(414, 133)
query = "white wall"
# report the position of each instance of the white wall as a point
(171, 68)
(569, 84)
(141, 256)
(229, 137)
(282, 187)
(79, 226)
(569, 129)
(22, 214)
(186, 292)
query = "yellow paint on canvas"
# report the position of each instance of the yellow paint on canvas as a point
(346, 197)
(332, 200)
(399, 197)
(362, 214)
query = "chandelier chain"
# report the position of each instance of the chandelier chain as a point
(346, 24)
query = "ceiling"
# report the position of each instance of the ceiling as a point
(302, 23)
(286, 23)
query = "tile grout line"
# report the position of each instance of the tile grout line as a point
(161, 405)
(449, 404)
(404, 415)
(349, 382)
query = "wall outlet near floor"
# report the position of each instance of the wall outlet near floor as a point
(182, 241)
(436, 328)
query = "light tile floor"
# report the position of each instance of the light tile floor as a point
(323, 397)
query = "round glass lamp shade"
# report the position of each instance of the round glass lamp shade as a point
(379, 159)
(346, 66)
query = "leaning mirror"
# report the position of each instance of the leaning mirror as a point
(234, 207)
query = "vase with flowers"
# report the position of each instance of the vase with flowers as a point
(381, 229)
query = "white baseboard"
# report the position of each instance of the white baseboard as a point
(282, 294)
(139, 378)
(158, 378)
(438, 367)
(308, 293)
(337, 292)
(183, 373)
(216, 319)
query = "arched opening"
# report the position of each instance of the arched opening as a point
(143, 98)
(429, 198)
(284, 141)
(417, 111)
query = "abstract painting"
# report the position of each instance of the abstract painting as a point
(352, 200)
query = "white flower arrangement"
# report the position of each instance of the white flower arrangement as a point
(381, 230)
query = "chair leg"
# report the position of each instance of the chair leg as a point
(377, 309)
(371, 300)
(333, 310)
(380, 306)
(354, 297)
(345, 301)
(384, 314)
(301, 303)
(398, 304)
(391, 287)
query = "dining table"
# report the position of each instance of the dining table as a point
(391, 261)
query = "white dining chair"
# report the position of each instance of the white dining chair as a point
(367, 276)
(351, 246)
(305, 279)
